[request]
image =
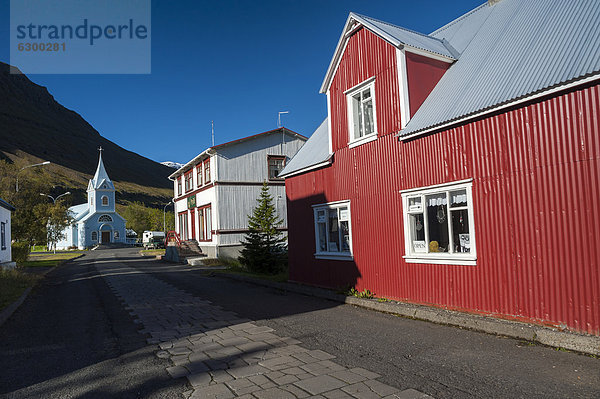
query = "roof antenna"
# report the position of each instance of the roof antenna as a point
(212, 132)
(279, 117)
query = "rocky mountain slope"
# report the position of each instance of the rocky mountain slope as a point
(34, 126)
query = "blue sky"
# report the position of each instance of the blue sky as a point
(235, 62)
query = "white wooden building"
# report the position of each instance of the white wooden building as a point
(6, 210)
(216, 191)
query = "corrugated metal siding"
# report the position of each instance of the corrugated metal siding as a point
(536, 194)
(366, 55)
(522, 47)
(247, 160)
(237, 202)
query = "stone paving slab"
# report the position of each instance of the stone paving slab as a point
(226, 356)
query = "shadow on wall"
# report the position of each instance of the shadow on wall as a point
(303, 265)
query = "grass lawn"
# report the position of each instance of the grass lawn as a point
(152, 252)
(48, 259)
(12, 285)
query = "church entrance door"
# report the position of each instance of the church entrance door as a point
(105, 237)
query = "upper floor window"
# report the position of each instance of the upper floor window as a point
(179, 186)
(188, 181)
(275, 165)
(362, 118)
(104, 200)
(438, 224)
(199, 174)
(207, 171)
(333, 232)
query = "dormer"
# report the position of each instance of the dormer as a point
(379, 76)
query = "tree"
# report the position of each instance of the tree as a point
(58, 218)
(264, 246)
(28, 221)
(141, 218)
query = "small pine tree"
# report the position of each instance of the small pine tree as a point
(264, 246)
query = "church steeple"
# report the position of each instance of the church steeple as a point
(101, 179)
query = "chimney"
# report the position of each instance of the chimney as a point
(492, 2)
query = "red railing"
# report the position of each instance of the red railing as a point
(172, 236)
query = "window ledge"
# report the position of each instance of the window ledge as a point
(363, 140)
(333, 256)
(438, 260)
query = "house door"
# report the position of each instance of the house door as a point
(105, 237)
(193, 221)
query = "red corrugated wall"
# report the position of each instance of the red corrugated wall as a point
(536, 194)
(422, 74)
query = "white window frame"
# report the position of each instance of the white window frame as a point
(105, 197)
(367, 84)
(326, 254)
(446, 258)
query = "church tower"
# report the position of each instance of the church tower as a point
(101, 190)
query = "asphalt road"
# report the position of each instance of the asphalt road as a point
(72, 338)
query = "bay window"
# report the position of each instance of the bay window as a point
(333, 233)
(438, 224)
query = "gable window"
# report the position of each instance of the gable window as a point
(333, 231)
(275, 164)
(3, 235)
(438, 224)
(104, 200)
(362, 119)
(188, 181)
(207, 171)
(105, 218)
(94, 236)
(199, 174)
(179, 186)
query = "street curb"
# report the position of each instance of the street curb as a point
(10, 309)
(583, 343)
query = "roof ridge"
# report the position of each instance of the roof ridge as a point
(400, 27)
(455, 21)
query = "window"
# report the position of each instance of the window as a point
(207, 171)
(179, 186)
(275, 164)
(183, 226)
(199, 174)
(3, 235)
(362, 118)
(94, 236)
(188, 181)
(104, 200)
(205, 223)
(333, 232)
(91, 199)
(438, 224)
(105, 218)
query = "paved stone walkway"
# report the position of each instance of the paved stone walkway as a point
(224, 356)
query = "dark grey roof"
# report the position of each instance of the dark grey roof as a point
(511, 50)
(6, 205)
(314, 152)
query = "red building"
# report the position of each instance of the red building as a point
(459, 169)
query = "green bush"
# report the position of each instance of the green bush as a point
(20, 252)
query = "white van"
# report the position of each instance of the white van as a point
(153, 239)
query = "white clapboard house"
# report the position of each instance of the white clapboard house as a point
(5, 238)
(216, 191)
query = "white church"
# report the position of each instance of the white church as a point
(95, 222)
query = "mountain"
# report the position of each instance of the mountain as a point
(34, 127)
(171, 164)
